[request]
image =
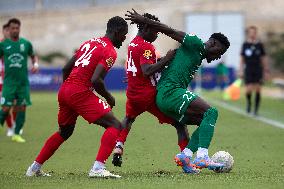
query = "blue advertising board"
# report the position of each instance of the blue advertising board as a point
(50, 79)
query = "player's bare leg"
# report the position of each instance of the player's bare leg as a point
(182, 134)
(108, 140)
(205, 116)
(249, 90)
(257, 89)
(118, 150)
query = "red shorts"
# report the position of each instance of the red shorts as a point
(137, 107)
(75, 100)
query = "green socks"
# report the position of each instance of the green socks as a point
(194, 141)
(202, 136)
(20, 120)
(207, 126)
(3, 116)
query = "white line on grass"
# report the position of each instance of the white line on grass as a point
(240, 111)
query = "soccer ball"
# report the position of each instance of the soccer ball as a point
(224, 158)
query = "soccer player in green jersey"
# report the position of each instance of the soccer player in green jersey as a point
(15, 51)
(175, 100)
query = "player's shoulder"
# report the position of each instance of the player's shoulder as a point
(138, 41)
(192, 36)
(22, 39)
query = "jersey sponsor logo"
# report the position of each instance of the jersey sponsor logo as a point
(9, 47)
(15, 60)
(22, 47)
(109, 62)
(147, 54)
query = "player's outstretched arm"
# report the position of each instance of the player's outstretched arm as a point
(99, 85)
(66, 70)
(137, 18)
(150, 69)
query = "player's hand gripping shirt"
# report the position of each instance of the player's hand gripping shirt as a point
(186, 62)
(15, 56)
(91, 53)
(140, 87)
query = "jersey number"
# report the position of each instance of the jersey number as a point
(105, 105)
(85, 57)
(130, 65)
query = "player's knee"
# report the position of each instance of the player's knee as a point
(66, 131)
(211, 112)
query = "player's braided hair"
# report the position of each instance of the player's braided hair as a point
(221, 38)
(150, 16)
(116, 23)
(15, 21)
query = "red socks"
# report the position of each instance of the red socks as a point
(182, 144)
(9, 121)
(50, 146)
(123, 135)
(108, 142)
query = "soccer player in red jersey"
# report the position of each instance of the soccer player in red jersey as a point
(142, 75)
(10, 119)
(88, 68)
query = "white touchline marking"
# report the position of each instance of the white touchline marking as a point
(240, 111)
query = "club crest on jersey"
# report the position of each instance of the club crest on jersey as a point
(109, 62)
(22, 47)
(147, 54)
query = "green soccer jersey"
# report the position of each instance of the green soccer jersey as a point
(15, 54)
(187, 60)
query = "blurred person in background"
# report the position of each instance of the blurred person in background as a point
(253, 67)
(15, 52)
(222, 74)
(9, 120)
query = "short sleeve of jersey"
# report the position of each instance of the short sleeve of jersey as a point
(148, 54)
(108, 59)
(191, 41)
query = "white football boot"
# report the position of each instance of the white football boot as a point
(102, 173)
(38, 173)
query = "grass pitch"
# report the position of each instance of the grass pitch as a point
(258, 150)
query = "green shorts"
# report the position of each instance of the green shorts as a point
(174, 102)
(19, 93)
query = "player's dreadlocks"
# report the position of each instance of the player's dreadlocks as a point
(116, 23)
(150, 16)
(221, 38)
